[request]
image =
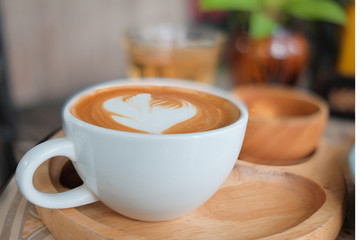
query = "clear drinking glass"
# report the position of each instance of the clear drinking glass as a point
(173, 51)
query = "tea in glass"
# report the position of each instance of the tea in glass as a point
(174, 52)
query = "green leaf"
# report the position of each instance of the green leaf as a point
(243, 5)
(325, 10)
(276, 5)
(261, 26)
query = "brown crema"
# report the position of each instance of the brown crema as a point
(212, 112)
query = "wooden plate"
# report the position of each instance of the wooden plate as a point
(256, 201)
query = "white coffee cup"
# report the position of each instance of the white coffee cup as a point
(149, 177)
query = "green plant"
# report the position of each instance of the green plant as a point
(266, 15)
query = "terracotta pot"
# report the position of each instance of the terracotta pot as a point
(277, 59)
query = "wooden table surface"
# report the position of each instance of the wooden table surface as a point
(26, 223)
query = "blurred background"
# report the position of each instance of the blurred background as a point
(51, 49)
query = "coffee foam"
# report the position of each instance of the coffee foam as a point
(155, 109)
(143, 113)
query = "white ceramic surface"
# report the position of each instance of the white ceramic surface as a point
(151, 177)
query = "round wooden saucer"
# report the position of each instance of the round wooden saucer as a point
(255, 202)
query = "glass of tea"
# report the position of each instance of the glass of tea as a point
(174, 51)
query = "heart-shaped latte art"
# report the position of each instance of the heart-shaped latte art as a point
(141, 113)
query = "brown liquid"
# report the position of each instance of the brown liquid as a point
(212, 112)
(197, 64)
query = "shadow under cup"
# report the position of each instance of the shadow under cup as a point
(149, 177)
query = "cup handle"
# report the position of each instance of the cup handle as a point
(33, 159)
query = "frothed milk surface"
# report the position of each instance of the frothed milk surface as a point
(155, 109)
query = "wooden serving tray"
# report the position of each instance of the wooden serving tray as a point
(256, 202)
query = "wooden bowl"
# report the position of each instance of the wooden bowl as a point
(285, 124)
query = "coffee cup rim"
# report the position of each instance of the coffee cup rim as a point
(156, 81)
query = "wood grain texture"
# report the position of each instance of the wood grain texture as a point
(304, 201)
(285, 124)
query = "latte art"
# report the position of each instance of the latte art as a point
(142, 113)
(155, 109)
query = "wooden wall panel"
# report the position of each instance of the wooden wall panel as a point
(57, 47)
